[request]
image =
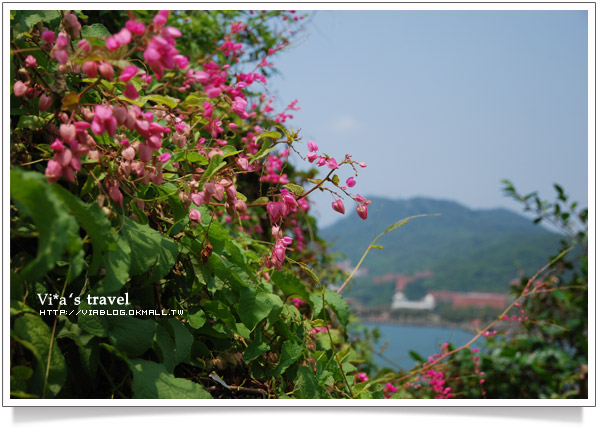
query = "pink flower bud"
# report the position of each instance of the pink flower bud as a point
(195, 215)
(241, 206)
(30, 61)
(106, 70)
(128, 153)
(130, 92)
(90, 69)
(84, 45)
(362, 164)
(362, 211)
(350, 182)
(19, 89)
(338, 206)
(44, 103)
(67, 132)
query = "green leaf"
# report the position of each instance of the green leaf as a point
(415, 356)
(97, 325)
(290, 353)
(257, 348)
(116, 265)
(296, 189)
(55, 226)
(152, 381)
(266, 147)
(30, 122)
(154, 254)
(165, 100)
(95, 30)
(194, 100)
(197, 319)
(316, 302)
(216, 163)
(290, 284)
(33, 333)
(254, 307)
(131, 335)
(306, 385)
(93, 220)
(338, 305)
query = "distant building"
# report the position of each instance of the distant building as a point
(400, 301)
(472, 299)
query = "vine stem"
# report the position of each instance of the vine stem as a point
(47, 374)
(490, 325)
(335, 352)
(372, 245)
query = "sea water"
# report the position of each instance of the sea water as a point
(425, 341)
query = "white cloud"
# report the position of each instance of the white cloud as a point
(344, 124)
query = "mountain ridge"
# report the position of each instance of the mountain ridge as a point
(467, 249)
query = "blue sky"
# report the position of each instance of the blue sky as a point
(445, 104)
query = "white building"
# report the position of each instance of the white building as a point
(401, 302)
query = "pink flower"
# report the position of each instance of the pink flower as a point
(311, 156)
(338, 206)
(30, 61)
(116, 195)
(128, 73)
(164, 157)
(161, 17)
(104, 120)
(136, 27)
(57, 145)
(19, 89)
(112, 44)
(53, 171)
(388, 390)
(312, 146)
(128, 153)
(130, 92)
(362, 164)
(332, 164)
(48, 36)
(239, 107)
(123, 37)
(44, 103)
(195, 215)
(361, 377)
(84, 45)
(297, 302)
(350, 182)
(362, 211)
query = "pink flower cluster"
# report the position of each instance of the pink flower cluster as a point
(278, 253)
(389, 390)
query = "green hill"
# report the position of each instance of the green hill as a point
(467, 250)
